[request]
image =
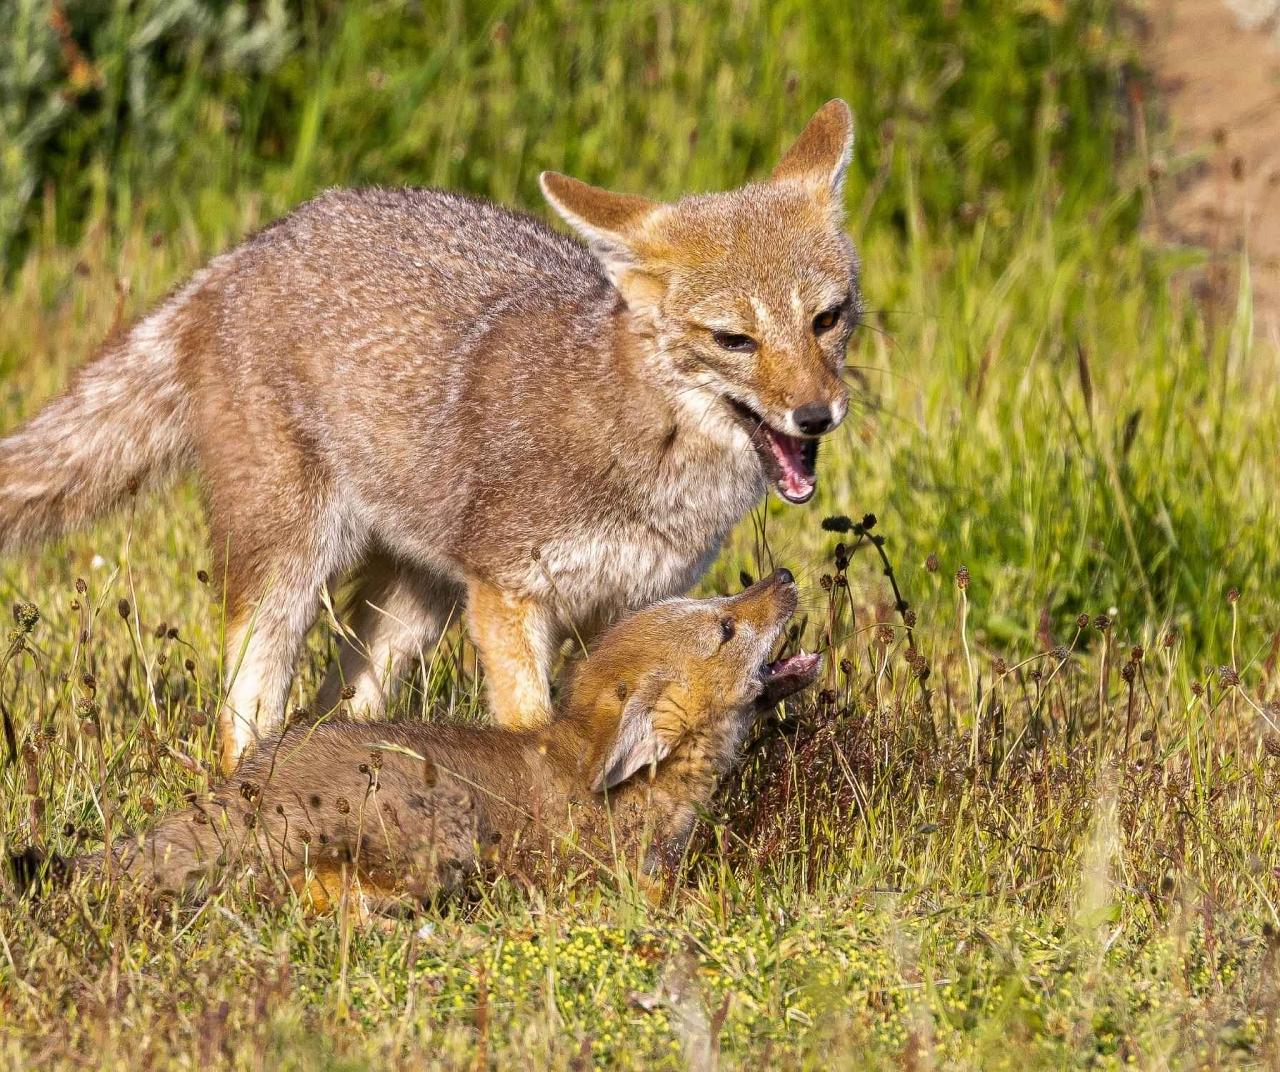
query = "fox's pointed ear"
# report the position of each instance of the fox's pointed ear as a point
(613, 225)
(819, 158)
(635, 746)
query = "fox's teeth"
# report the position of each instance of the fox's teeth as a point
(796, 476)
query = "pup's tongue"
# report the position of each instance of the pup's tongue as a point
(796, 460)
(784, 677)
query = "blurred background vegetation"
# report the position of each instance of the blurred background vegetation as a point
(167, 108)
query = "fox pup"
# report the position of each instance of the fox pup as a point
(470, 410)
(652, 720)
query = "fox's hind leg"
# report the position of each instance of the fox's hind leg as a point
(274, 577)
(518, 640)
(397, 612)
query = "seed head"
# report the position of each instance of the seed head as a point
(1082, 621)
(1170, 639)
(825, 582)
(202, 576)
(962, 578)
(1227, 677)
(1137, 654)
(931, 563)
(999, 667)
(122, 608)
(348, 692)
(26, 615)
(81, 586)
(884, 635)
(1102, 623)
(837, 523)
(1128, 672)
(1062, 653)
(1233, 595)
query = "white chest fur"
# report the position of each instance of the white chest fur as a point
(663, 541)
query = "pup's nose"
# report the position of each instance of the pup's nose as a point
(813, 418)
(782, 575)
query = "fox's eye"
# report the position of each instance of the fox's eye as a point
(827, 319)
(727, 629)
(731, 340)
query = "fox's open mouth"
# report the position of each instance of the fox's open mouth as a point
(782, 677)
(789, 461)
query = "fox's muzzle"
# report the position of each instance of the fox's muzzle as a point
(770, 601)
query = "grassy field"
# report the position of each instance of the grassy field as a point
(1038, 830)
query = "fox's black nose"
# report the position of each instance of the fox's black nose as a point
(813, 418)
(783, 575)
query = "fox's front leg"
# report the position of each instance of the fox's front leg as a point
(518, 639)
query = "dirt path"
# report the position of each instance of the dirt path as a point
(1217, 68)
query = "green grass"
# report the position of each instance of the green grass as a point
(962, 869)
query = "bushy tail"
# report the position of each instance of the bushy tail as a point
(120, 426)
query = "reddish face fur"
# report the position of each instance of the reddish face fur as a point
(766, 269)
(702, 687)
(717, 286)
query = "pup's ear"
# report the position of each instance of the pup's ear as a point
(819, 158)
(636, 744)
(613, 226)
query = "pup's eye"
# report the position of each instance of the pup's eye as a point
(727, 629)
(827, 319)
(731, 340)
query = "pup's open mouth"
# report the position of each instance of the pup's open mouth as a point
(789, 461)
(782, 677)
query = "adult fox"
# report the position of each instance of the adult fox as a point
(472, 410)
